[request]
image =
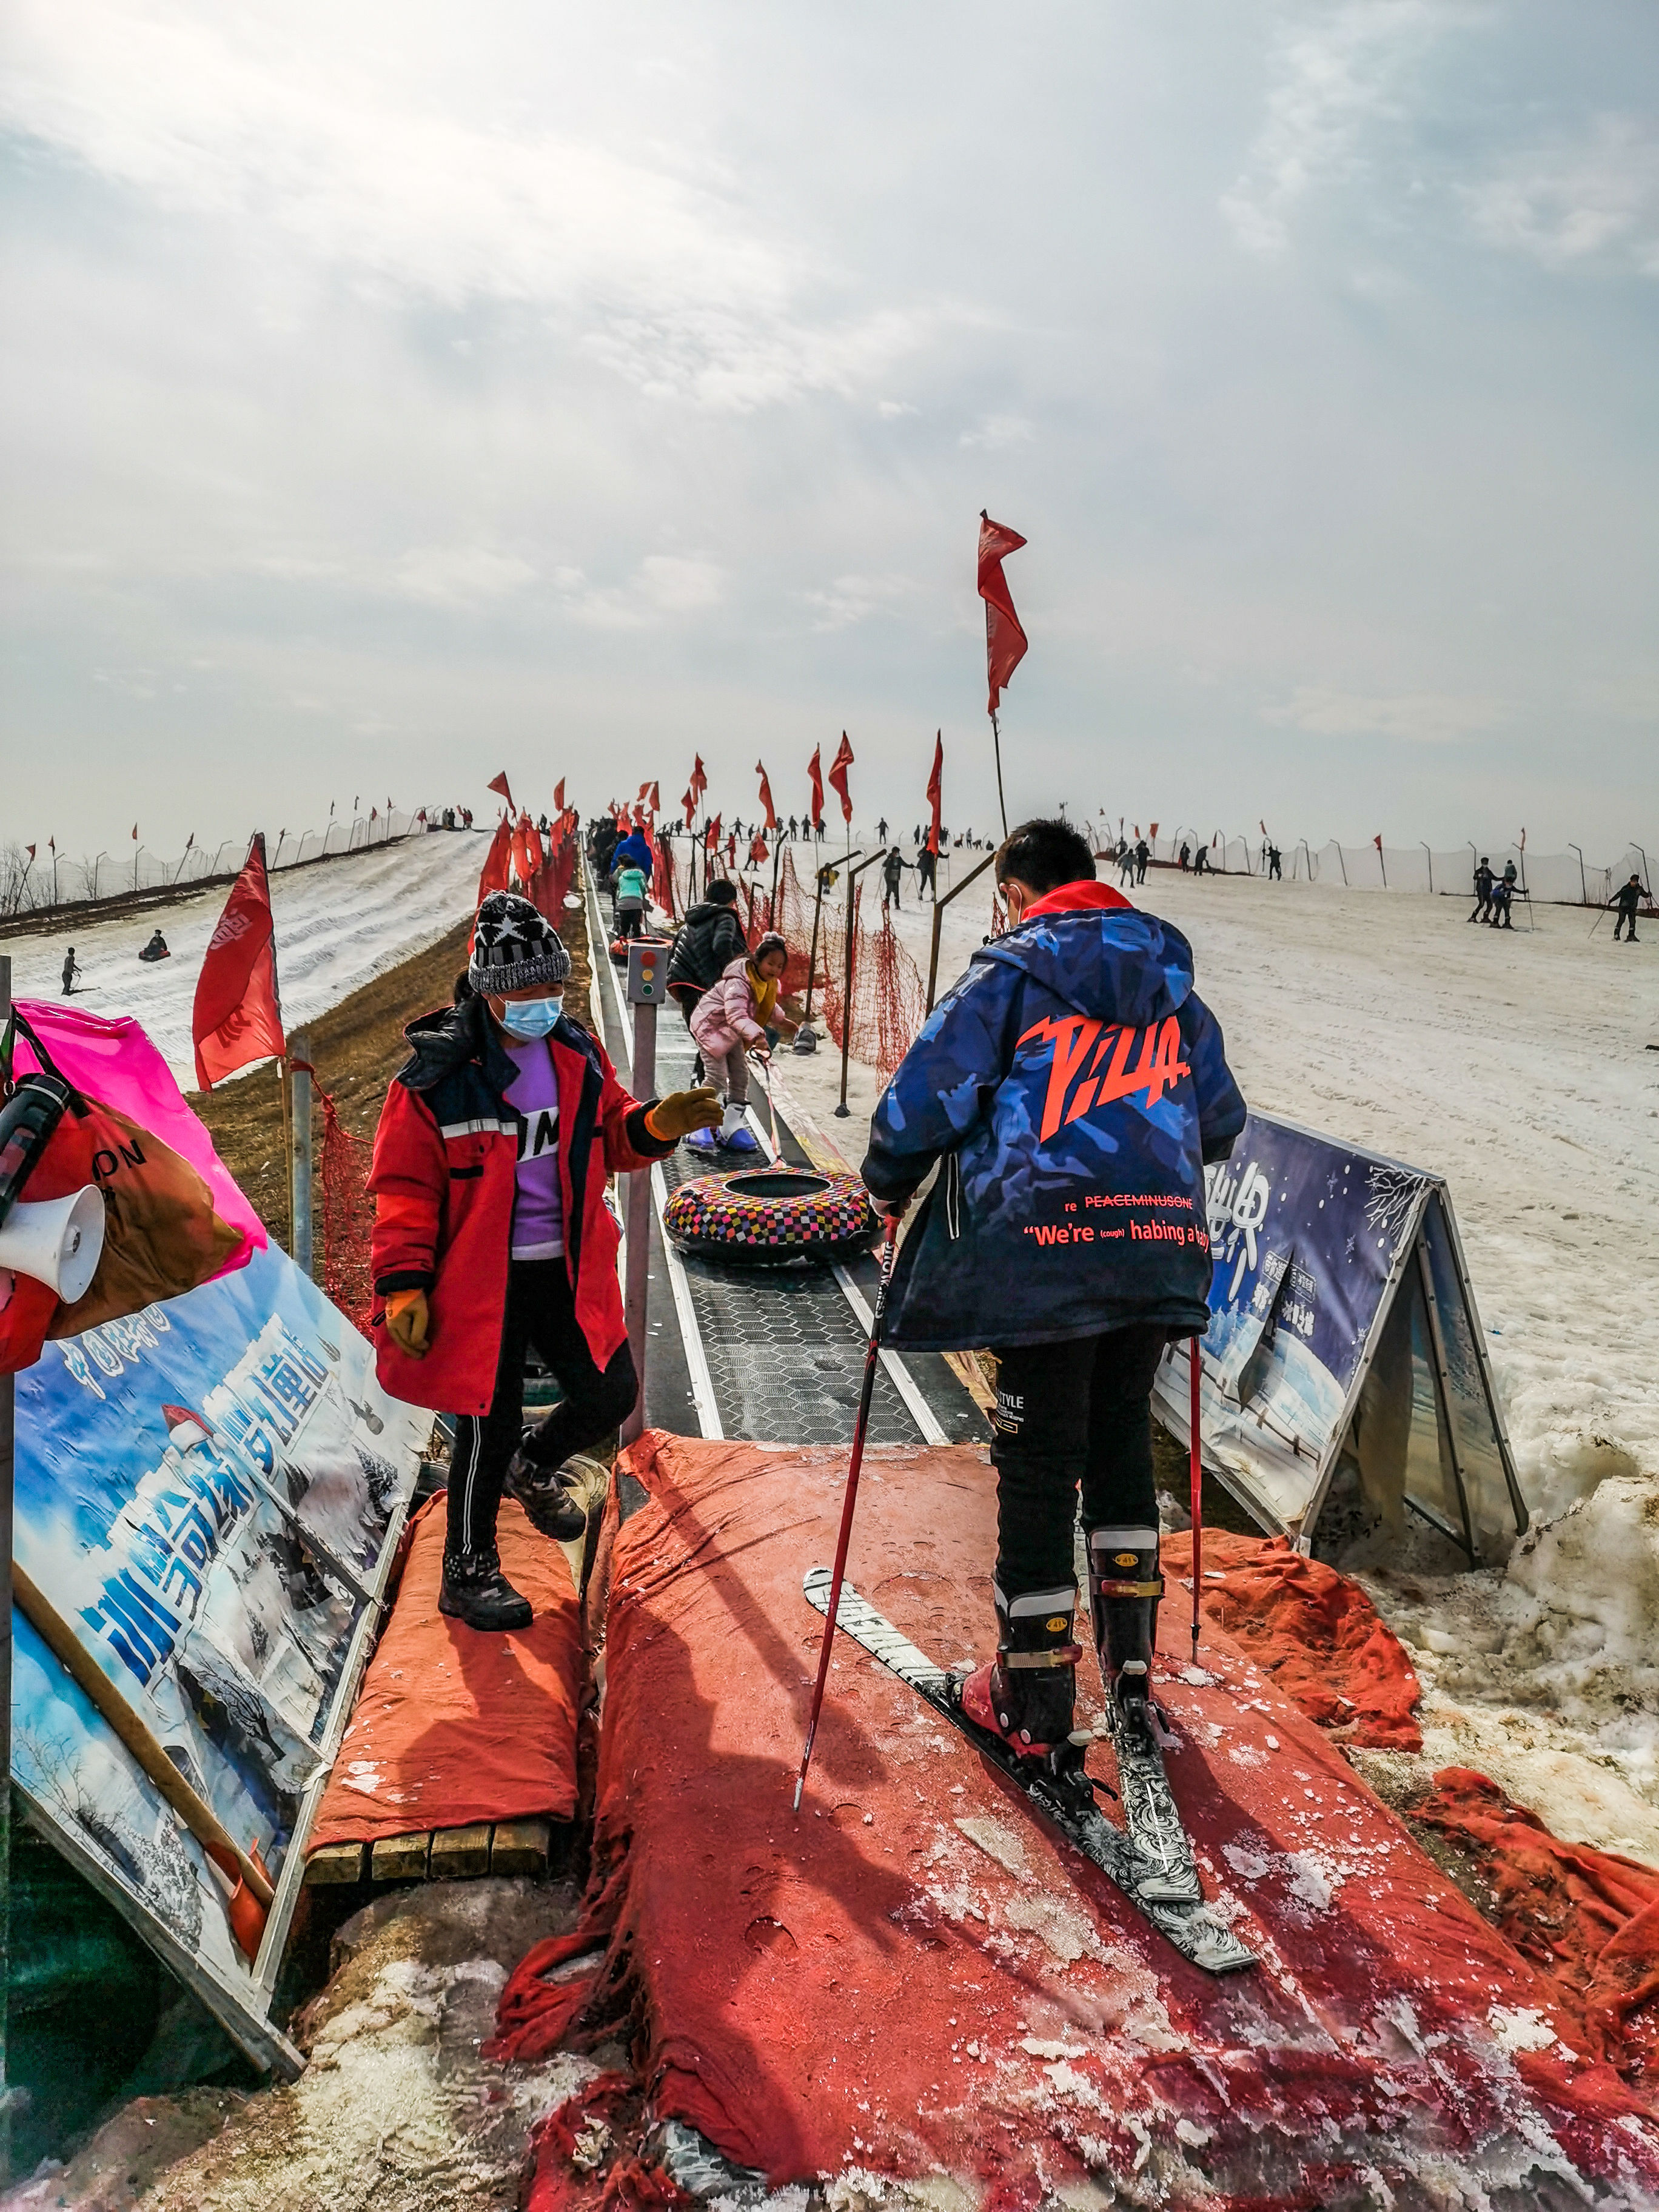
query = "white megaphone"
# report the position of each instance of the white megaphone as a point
(58, 1240)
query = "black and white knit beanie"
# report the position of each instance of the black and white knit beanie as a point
(513, 947)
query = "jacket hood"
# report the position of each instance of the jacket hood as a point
(1141, 967)
(705, 910)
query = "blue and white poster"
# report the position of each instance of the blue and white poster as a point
(1313, 1241)
(207, 1493)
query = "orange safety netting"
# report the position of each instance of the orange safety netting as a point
(889, 997)
(347, 1216)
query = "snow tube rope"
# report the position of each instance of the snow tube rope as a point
(771, 1213)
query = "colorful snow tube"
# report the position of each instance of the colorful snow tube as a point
(771, 1214)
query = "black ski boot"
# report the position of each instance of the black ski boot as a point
(552, 1510)
(476, 1590)
(1124, 1588)
(1027, 1693)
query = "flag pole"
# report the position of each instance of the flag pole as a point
(996, 741)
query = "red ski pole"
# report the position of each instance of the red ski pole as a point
(888, 1247)
(1196, 1469)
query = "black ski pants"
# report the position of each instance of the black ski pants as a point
(1079, 1412)
(541, 1311)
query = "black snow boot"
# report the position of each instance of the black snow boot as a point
(1124, 1589)
(476, 1590)
(1028, 1693)
(552, 1510)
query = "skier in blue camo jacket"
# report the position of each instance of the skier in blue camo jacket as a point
(1071, 1088)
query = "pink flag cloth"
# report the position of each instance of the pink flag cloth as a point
(113, 1060)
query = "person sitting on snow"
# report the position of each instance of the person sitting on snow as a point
(731, 1018)
(157, 949)
(492, 1235)
(1072, 1087)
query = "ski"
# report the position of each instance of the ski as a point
(1152, 1867)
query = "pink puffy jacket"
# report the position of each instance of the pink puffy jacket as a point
(725, 1015)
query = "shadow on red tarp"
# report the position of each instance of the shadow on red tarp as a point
(1587, 1920)
(915, 1976)
(1315, 1631)
(451, 1726)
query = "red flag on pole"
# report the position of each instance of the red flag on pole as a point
(815, 769)
(699, 776)
(499, 783)
(238, 1018)
(1377, 841)
(766, 795)
(759, 851)
(690, 805)
(712, 835)
(1005, 639)
(1154, 829)
(838, 768)
(935, 790)
(655, 800)
(498, 861)
(558, 796)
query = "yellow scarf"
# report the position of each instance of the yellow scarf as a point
(765, 989)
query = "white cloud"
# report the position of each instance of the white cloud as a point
(992, 431)
(1419, 717)
(668, 280)
(890, 409)
(1334, 76)
(852, 599)
(1570, 203)
(459, 575)
(663, 586)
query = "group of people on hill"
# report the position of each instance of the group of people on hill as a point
(1494, 895)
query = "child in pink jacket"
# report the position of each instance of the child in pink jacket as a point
(730, 1020)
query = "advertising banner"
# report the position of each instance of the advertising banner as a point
(208, 1493)
(1341, 1319)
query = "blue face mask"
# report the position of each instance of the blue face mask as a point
(531, 1018)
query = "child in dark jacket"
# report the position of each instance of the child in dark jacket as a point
(1071, 1088)
(491, 1234)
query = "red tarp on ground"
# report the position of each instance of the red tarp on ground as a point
(1315, 1631)
(914, 1977)
(451, 1726)
(1589, 1920)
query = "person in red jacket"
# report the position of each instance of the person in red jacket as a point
(491, 1234)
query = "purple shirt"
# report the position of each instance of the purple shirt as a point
(537, 1205)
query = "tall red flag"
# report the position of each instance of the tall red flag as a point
(498, 861)
(935, 788)
(766, 795)
(712, 835)
(699, 776)
(690, 804)
(838, 768)
(237, 1018)
(1005, 639)
(655, 800)
(759, 851)
(815, 769)
(558, 796)
(499, 783)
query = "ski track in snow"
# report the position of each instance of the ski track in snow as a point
(1513, 1064)
(339, 924)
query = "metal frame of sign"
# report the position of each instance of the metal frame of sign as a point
(1414, 1249)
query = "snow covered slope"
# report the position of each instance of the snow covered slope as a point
(338, 924)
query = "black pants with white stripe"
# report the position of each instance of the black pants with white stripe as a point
(541, 1312)
(1070, 1414)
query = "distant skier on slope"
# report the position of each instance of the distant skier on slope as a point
(1483, 880)
(491, 1235)
(71, 969)
(892, 868)
(1073, 1086)
(1627, 898)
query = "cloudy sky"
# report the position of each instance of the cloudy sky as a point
(395, 392)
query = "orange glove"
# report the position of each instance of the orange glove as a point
(678, 1114)
(407, 1319)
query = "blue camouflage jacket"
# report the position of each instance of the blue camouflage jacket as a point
(1073, 1086)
